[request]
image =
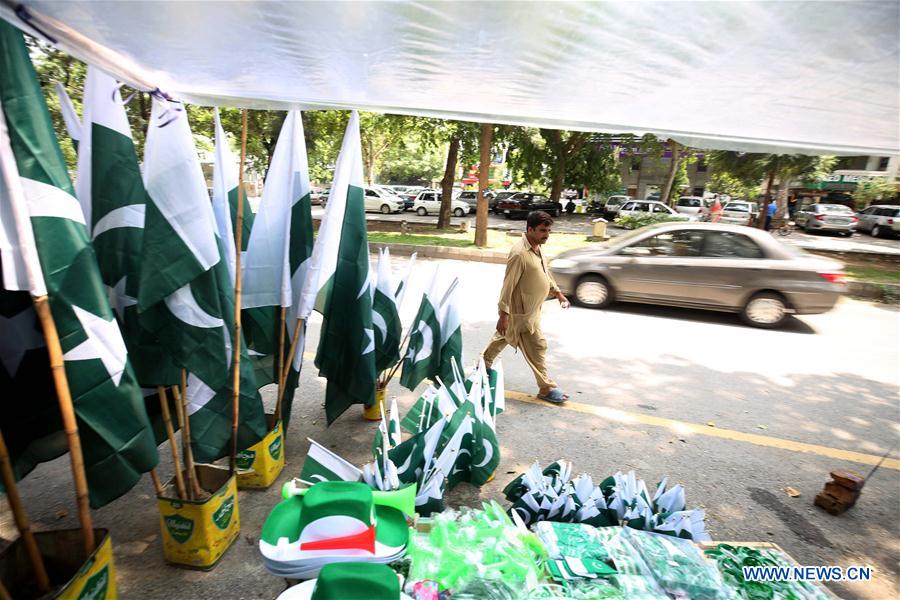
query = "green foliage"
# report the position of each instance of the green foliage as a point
(725, 183)
(636, 221)
(415, 163)
(867, 192)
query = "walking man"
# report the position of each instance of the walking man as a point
(526, 285)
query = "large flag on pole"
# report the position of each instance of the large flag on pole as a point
(186, 297)
(50, 233)
(258, 325)
(113, 198)
(385, 316)
(70, 117)
(423, 357)
(338, 283)
(281, 242)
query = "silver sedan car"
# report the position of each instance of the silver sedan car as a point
(827, 217)
(702, 265)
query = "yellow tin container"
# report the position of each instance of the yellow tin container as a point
(374, 412)
(196, 534)
(71, 576)
(261, 464)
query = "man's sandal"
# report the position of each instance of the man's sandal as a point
(555, 396)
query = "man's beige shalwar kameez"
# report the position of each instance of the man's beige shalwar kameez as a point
(526, 286)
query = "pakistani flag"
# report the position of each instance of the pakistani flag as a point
(430, 495)
(451, 334)
(385, 316)
(404, 281)
(112, 196)
(455, 456)
(485, 453)
(70, 117)
(258, 325)
(338, 286)
(322, 464)
(185, 295)
(423, 357)
(275, 264)
(46, 247)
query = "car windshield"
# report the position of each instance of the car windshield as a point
(738, 207)
(836, 208)
(693, 202)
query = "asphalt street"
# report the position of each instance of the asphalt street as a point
(735, 414)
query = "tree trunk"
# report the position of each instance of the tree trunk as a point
(673, 169)
(447, 184)
(484, 168)
(559, 177)
(764, 209)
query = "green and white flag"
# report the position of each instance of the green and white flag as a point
(275, 264)
(455, 456)
(113, 199)
(48, 248)
(400, 294)
(322, 464)
(385, 316)
(423, 357)
(451, 334)
(258, 325)
(338, 283)
(69, 115)
(186, 297)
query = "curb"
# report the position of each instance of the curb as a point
(888, 293)
(471, 254)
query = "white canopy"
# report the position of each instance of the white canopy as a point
(816, 77)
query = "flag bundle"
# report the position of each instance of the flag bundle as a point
(46, 251)
(553, 495)
(453, 440)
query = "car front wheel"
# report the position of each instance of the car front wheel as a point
(766, 309)
(385, 209)
(459, 212)
(876, 231)
(593, 291)
(421, 211)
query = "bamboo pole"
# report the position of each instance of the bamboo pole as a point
(67, 411)
(236, 348)
(184, 422)
(170, 433)
(290, 359)
(280, 367)
(157, 484)
(21, 518)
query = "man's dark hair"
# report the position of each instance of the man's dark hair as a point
(536, 218)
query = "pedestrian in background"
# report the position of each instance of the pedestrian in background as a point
(770, 212)
(527, 284)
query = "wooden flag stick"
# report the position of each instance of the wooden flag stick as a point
(280, 367)
(287, 365)
(180, 394)
(67, 411)
(236, 347)
(21, 518)
(157, 484)
(170, 433)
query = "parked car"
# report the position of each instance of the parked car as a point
(318, 196)
(653, 197)
(522, 203)
(693, 206)
(470, 197)
(880, 220)
(739, 212)
(492, 203)
(827, 217)
(428, 202)
(610, 209)
(378, 199)
(702, 265)
(636, 207)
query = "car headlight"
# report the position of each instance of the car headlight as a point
(563, 263)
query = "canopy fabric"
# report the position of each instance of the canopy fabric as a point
(815, 77)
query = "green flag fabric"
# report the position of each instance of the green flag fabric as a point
(186, 297)
(116, 438)
(451, 335)
(423, 357)
(338, 286)
(385, 317)
(322, 464)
